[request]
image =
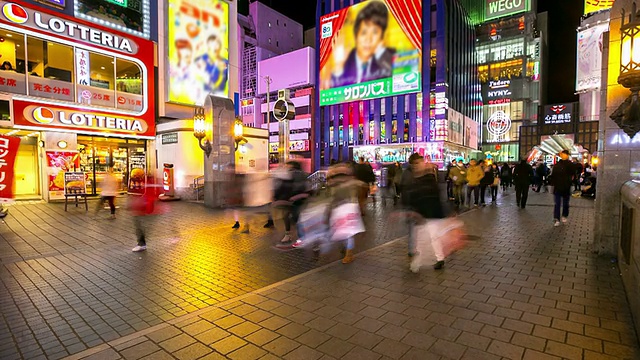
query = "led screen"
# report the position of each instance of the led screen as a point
(130, 16)
(198, 45)
(371, 50)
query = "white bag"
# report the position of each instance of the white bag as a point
(346, 221)
(435, 240)
(312, 220)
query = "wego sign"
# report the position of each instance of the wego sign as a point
(501, 8)
(28, 115)
(20, 15)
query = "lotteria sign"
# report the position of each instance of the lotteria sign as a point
(28, 115)
(501, 8)
(52, 24)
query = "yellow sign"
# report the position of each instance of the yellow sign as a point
(591, 6)
(198, 42)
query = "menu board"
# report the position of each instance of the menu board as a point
(75, 183)
(59, 162)
(137, 172)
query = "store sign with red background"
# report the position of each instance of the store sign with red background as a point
(52, 25)
(8, 151)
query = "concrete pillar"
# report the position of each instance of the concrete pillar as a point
(219, 166)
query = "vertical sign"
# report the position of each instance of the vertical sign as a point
(8, 151)
(83, 75)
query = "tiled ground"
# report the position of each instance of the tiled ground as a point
(68, 280)
(522, 289)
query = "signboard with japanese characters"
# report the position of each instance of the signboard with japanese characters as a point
(8, 151)
(558, 114)
(83, 75)
(12, 82)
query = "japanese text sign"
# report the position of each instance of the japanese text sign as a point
(8, 151)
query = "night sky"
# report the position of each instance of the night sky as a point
(564, 19)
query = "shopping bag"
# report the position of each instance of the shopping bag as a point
(346, 221)
(449, 237)
(313, 220)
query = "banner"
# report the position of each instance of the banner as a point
(589, 69)
(198, 43)
(8, 151)
(371, 50)
(591, 6)
(58, 163)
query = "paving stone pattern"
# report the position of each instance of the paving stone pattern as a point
(68, 280)
(522, 289)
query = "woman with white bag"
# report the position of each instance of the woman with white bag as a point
(421, 198)
(344, 216)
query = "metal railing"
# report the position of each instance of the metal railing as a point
(198, 186)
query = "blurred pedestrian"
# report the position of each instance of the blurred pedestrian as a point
(364, 173)
(562, 179)
(458, 176)
(451, 165)
(474, 177)
(143, 207)
(522, 179)
(343, 189)
(109, 190)
(496, 182)
(421, 197)
(506, 176)
(397, 181)
(291, 192)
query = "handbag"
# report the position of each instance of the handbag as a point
(346, 221)
(496, 181)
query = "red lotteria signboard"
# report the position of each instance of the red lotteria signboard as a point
(29, 115)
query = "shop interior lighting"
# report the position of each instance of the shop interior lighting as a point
(62, 144)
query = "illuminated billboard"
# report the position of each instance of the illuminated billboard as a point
(131, 16)
(198, 45)
(589, 67)
(591, 6)
(501, 8)
(371, 50)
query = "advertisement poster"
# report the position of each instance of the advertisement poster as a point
(59, 163)
(432, 150)
(470, 133)
(456, 124)
(591, 6)
(589, 69)
(132, 15)
(371, 50)
(75, 183)
(198, 42)
(8, 151)
(137, 172)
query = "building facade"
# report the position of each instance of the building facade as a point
(78, 87)
(398, 100)
(511, 56)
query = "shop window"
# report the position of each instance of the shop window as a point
(128, 85)
(12, 63)
(101, 68)
(49, 68)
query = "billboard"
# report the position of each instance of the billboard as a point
(591, 6)
(198, 50)
(470, 133)
(501, 8)
(131, 16)
(589, 60)
(559, 114)
(371, 50)
(301, 69)
(456, 124)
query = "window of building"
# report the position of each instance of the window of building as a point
(277, 22)
(269, 40)
(101, 70)
(49, 68)
(269, 23)
(128, 77)
(285, 24)
(12, 52)
(277, 43)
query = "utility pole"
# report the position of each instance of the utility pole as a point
(283, 128)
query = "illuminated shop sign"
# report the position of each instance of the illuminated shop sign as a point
(29, 18)
(52, 117)
(501, 8)
(499, 89)
(558, 114)
(498, 126)
(591, 6)
(130, 16)
(57, 3)
(294, 145)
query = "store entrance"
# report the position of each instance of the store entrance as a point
(127, 158)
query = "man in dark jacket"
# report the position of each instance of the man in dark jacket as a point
(364, 173)
(522, 178)
(562, 179)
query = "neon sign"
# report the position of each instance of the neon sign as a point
(498, 125)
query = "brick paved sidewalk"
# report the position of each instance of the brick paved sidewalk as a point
(522, 290)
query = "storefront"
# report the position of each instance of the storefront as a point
(81, 98)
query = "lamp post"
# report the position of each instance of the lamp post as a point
(238, 133)
(627, 116)
(200, 130)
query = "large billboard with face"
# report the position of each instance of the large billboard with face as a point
(371, 50)
(589, 67)
(198, 47)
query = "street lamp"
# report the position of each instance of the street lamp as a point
(627, 116)
(200, 130)
(238, 132)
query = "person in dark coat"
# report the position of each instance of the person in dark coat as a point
(522, 179)
(421, 195)
(562, 179)
(505, 176)
(364, 173)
